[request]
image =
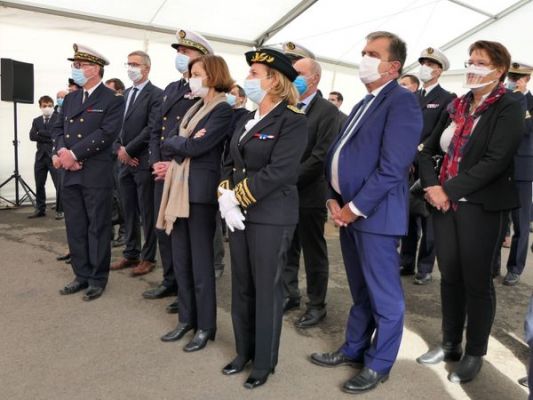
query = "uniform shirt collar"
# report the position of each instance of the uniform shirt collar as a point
(91, 90)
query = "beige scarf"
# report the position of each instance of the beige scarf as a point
(175, 198)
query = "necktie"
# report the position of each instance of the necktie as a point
(300, 105)
(85, 96)
(132, 98)
(46, 119)
(423, 93)
(358, 115)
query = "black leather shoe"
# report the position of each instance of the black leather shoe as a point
(332, 359)
(173, 308)
(199, 340)
(177, 333)
(524, 381)
(364, 381)
(511, 279)
(311, 318)
(159, 292)
(59, 215)
(93, 293)
(234, 367)
(37, 214)
(63, 258)
(257, 378)
(446, 352)
(289, 303)
(467, 369)
(73, 287)
(407, 271)
(422, 278)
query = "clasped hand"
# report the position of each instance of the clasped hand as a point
(341, 217)
(64, 159)
(437, 197)
(125, 158)
(230, 211)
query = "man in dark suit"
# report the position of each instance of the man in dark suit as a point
(337, 99)
(135, 182)
(367, 168)
(433, 102)
(88, 124)
(323, 126)
(517, 79)
(41, 132)
(176, 101)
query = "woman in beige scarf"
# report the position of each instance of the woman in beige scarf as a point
(189, 202)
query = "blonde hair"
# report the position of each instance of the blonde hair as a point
(284, 89)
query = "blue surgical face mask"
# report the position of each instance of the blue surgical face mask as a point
(301, 84)
(231, 99)
(182, 62)
(59, 102)
(78, 76)
(254, 91)
(511, 85)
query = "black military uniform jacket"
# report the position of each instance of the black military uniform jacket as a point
(89, 131)
(433, 106)
(175, 103)
(524, 155)
(262, 167)
(42, 134)
(139, 122)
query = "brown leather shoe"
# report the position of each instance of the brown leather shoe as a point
(143, 268)
(124, 263)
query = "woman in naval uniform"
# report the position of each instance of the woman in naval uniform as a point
(259, 201)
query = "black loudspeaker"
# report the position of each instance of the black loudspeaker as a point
(17, 81)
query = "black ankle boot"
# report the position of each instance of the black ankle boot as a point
(467, 369)
(199, 340)
(446, 352)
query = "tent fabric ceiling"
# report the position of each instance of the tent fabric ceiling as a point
(332, 29)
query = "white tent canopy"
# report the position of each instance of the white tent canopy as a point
(42, 32)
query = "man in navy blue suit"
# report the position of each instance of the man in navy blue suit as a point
(86, 128)
(367, 168)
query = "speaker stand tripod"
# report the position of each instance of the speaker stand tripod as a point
(29, 193)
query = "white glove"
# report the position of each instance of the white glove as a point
(226, 201)
(234, 219)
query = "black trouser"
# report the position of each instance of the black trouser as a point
(520, 242)
(165, 244)
(426, 251)
(467, 241)
(137, 195)
(309, 236)
(192, 253)
(41, 168)
(218, 244)
(258, 256)
(88, 222)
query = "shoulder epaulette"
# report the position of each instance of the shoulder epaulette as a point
(295, 109)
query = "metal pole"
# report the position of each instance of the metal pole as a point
(15, 143)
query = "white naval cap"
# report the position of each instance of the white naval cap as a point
(85, 53)
(436, 55)
(193, 40)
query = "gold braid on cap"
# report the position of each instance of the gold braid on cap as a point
(262, 57)
(195, 45)
(243, 194)
(88, 57)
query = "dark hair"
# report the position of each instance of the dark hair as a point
(242, 93)
(117, 83)
(397, 47)
(338, 94)
(218, 76)
(45, 99)
(72, 83)
(412, 78)
(497, 52)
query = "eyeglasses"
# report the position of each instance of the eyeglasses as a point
(78, 64)
(482, 64)
(133, 65)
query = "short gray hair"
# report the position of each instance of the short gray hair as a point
(397, 47)
(143, 55)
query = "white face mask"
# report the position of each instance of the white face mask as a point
(47, 111)
(425, 73)
(368, 69)
(197, 87)
(134, 73)
(474, 75)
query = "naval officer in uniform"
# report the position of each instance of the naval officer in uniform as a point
(86, 128)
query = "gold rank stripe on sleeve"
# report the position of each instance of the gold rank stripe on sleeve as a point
(224, 185)
(295, 109)
(243, 194)
(528, 115)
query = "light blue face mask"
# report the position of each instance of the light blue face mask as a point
(59, 102)
(511, 85)
(253, 90)
(182, 62)
(231, 99)
(78, 76)
(300, 84)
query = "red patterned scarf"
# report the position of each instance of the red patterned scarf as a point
(459, 111)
